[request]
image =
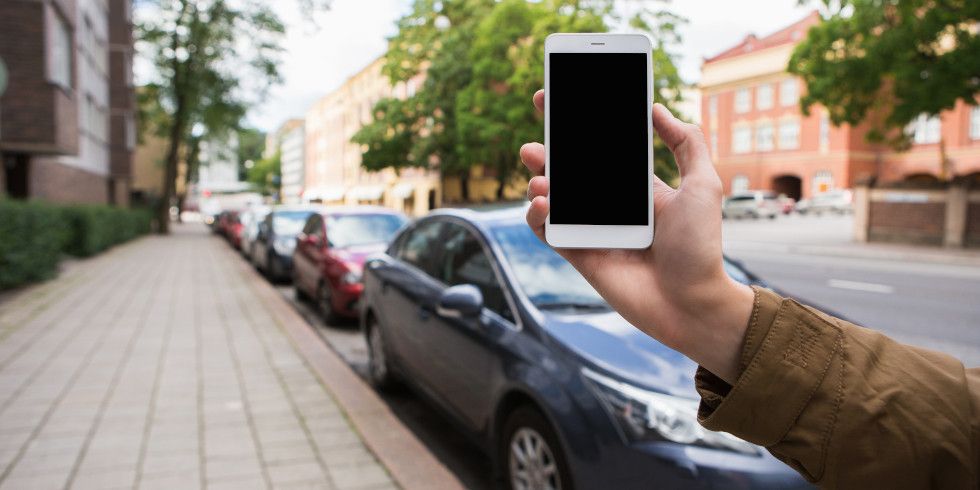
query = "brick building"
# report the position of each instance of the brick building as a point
(68, 131)
(333, 172)
(759, 138)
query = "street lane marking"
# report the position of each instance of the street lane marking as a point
(861, 286)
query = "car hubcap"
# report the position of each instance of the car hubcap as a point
(532, 464)
(379, 368)
(325, 307)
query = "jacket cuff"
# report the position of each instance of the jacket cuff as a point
(785, 356)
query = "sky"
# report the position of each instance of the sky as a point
(317, 59)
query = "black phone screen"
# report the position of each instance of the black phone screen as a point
(598, 138)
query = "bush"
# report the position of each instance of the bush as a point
(34, 234)
(31, 237)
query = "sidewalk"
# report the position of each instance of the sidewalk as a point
(168, 363)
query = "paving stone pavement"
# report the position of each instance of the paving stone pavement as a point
(158, 365)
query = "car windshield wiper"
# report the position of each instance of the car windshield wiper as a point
(572, 305)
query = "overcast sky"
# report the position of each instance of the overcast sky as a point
(353, 33)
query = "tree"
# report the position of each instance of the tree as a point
(483, 59)
(251, 144)
(209, 56)
(265, 174)
(888, 61)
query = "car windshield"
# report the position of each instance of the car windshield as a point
(362, 229)
(289, 223)
(547, 279)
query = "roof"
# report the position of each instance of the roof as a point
(790, 34)
(488, 214)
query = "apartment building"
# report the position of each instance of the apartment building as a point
(333, 172)
(68, 130)
(759, 138)
(288, 140)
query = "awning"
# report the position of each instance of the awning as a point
(366, 192)
(324, 193)
(403, 190)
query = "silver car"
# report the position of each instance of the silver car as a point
(837, 202)
(752, 204)
(250, 219)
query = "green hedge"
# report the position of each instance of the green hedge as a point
(33, 235)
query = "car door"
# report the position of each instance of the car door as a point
(461, 351)
(408, 291)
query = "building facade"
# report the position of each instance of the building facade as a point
(68, 129)
(291, 163)
(759, 138)
(333, 172)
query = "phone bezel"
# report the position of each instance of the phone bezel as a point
(599, 236)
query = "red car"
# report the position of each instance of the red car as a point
(230, 227)
(330, 254)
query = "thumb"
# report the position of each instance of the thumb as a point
(685, 140)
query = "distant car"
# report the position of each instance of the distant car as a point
(330, 254)
(477, 315)
(837, 202)
(752, 204)
(786, 204)
(272, 251)
(250, 219)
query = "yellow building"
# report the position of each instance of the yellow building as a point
(333, 173)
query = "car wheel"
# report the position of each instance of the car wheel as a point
(379, 369)
(273, 267)
(531, 455)
(324, 302)
(300, 294)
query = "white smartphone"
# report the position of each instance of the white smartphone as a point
(598, 140)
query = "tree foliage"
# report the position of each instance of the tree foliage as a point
(888, 61)
(483, 59)
(265, 174)
(212, 58)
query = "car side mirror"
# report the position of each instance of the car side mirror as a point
(462, 301)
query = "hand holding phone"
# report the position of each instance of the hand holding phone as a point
(676, 290)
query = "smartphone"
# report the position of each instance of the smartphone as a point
(598, 138)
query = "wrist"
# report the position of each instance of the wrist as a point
(713, 331)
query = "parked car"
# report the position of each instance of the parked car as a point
(838, 201)
(272, 251)
(752, 204)
(499, 332)
(230, 227)
(250, 227)
(330, 254)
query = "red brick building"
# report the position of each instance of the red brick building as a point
(67, 128)
(759, 139)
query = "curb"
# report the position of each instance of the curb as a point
(407, 460)
(959, 257)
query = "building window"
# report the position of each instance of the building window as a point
(789, 134)
(975, 123)
(763, 136)
(713, 106)
(741, 139)
(824, 131)
(60, 52)
(763, 96)
(788, 93)
(740, 183)
(743, 100)
(925, 129)
(823, 181)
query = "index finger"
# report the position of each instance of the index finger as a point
(539, 100)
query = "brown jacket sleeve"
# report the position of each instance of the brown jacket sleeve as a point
(846, 406)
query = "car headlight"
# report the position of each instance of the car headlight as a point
(351, 277)
(643, 415)
(284, 246)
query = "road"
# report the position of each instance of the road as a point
(918, 299)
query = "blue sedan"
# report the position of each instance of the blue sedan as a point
(498, 331)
